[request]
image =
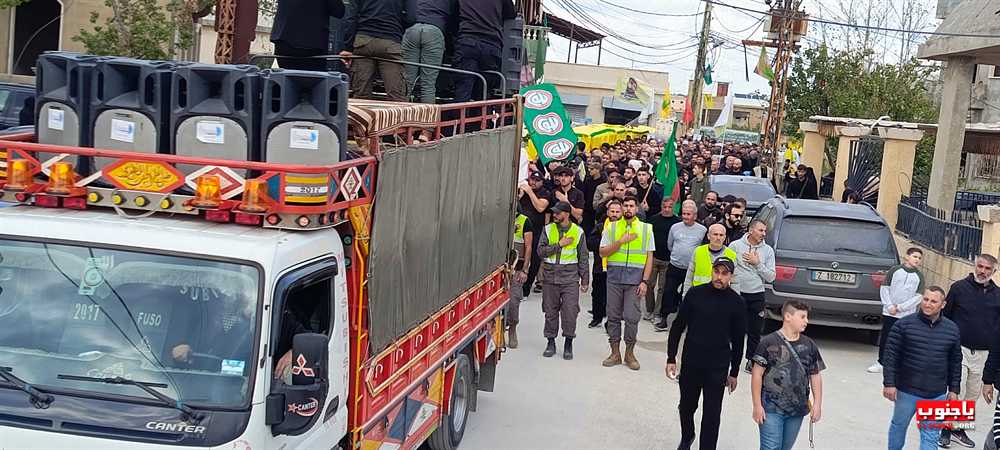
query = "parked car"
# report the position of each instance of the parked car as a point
(755, 190)
(833, 256)
(13, 98)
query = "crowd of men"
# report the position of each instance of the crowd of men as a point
(377, 32)
(703, 274)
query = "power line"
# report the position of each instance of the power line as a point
(863, 27)
(649, 12)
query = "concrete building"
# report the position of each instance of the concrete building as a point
(961, 55)
(985, 104)
(42, 25)
(58, 21)
(749, 110)
(588, 92)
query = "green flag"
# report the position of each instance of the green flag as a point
(708, 75)
(666, 170)
(548, 124)
(763, 66)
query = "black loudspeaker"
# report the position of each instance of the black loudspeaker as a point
(63, 97)
(512, 57)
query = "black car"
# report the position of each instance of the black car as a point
(13, 99)
(833, 256)
(755, 190)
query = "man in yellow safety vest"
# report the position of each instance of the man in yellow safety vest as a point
(523, 238)
(700, 270)
(566, 268)
(628, 246)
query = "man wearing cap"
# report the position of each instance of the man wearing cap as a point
(566, 269)
(534, 202)
(628, 245)
(715, 319)
(699, 271)
(565, 192)
(523, 237)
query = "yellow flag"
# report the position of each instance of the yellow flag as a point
(709, 101)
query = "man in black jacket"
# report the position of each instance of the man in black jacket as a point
(715, 318)
(922, 361)
(302, 29)
(973, 304)
(374, 28)
(480, 40)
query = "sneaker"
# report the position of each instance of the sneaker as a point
(657, 318)
(945, 440)
(537, 289)
(962, 439)
(647, 316)
(748, 368)
(594, 323)
(661, 326)
(875, 368)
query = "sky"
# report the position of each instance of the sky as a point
(675, 38)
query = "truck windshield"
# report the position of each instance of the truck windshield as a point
(184, 323)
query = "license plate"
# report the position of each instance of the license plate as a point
(835, 277)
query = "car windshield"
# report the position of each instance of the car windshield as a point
(836, 236)
(83, 311)
(752, 192)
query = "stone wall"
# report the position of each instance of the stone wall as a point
(938, 269)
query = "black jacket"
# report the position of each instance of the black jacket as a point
(376, 18)
(923, 358)
(716, 326)
(483, 19)
(305, 24)
(975, 308)
(991, 372)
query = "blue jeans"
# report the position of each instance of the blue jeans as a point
(905, 409)
(778, 432)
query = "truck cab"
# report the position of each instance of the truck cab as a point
(96, 310)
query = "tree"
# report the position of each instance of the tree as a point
(5, 4)
(857, 84)
(140, 29)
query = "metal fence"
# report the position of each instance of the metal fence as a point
(961, 238)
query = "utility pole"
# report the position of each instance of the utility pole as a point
(787, 28)
(698, 86)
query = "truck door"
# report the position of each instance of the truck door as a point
(313, 299)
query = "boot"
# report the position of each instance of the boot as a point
(568, 349)
(512, 336)
(550, 348)
(630, 360)
(615, 358)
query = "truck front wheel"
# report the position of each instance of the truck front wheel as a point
(449, 434)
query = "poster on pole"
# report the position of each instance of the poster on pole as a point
(549, 127)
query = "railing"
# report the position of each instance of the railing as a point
(926, 226)
(970, 200)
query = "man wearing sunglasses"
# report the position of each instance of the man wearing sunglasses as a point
(735, 212)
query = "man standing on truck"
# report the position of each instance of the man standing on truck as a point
(566, 269)
(974, 305)
(628, 245)
(900, 295)
(523, 237)
(715, 319)
(478, 46)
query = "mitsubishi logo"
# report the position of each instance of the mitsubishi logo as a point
(300, 367)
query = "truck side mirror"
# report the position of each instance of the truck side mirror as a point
(294, 409)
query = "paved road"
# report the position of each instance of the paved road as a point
(549, 403)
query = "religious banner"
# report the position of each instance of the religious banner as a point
(631, 90)
(549, 127)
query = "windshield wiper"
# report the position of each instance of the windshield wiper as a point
(854, 250)
(188, 413)
(39, 399)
